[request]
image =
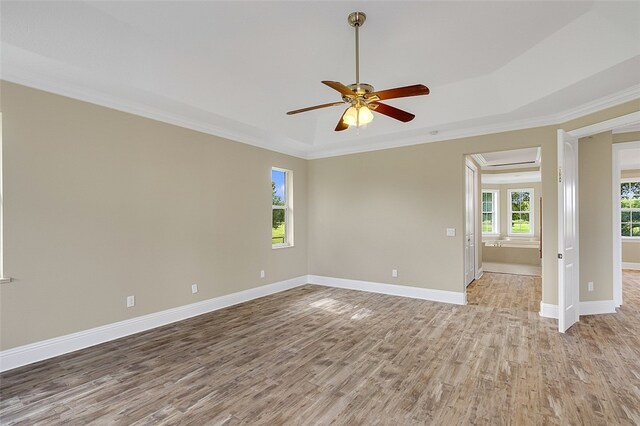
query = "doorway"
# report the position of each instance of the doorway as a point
(564, 287)
(626, 213)
(509, 211)
(503, 214)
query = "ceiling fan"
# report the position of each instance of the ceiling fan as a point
(361, 97)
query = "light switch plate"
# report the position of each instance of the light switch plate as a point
(451, 232)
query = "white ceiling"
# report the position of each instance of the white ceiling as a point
(234, 68)
(513, 177)
(509, 160)
(507, 166)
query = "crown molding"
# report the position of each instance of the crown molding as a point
(31, 80)
(287, 146)
(443, 135)
(618, 98)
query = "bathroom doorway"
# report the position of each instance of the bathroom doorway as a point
(509, 211)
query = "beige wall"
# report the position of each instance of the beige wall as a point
(595, 221)
(101, 204)
(631, 252)
(517, 255)
(376, 211)
(596, 199)
(626, 174)
(626, 137)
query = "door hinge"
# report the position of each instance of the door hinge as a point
(559, 255)
(560, 175)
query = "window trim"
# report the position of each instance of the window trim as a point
(627, 238)
(288, 209)
(495, 226)
(532, 209)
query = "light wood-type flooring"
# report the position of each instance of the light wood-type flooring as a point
(318, 355)
(511, 268)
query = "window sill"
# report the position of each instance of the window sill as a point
(281, 246)
(4, 280)
(491, 235)
(630, 239)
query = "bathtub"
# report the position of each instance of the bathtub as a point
(513, 243)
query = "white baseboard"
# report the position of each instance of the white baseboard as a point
(598, 307)
(392, 289)
(548, 310)
(28, 354)
(479, 273)
(630, 265)
(585, 308)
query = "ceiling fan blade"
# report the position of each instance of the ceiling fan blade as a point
(392, 112)
(400, 92)
(297, 111)
(341, 124)
(336, 85)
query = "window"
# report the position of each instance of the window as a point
(520, 212)
(630, 209)
(282, 208)
(490, 219)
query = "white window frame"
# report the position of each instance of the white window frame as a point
(627, 238)
(288, 209)
(532, 209)
(495, 225)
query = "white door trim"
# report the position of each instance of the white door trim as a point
(617, 239)
(605, 126)
(477, 234)
(474, 169)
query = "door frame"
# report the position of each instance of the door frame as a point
(477, 272)
(593, 129)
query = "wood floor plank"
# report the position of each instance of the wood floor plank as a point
(318, 355)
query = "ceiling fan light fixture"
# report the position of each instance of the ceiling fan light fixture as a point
(358, 116)
(360, 95)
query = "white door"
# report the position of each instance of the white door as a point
(568, 267)
(469, 233)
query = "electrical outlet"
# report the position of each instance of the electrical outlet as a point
(131, 301)
(194, 288)
(394, 273)
(451, 232)
(262, 273)
(590, 286)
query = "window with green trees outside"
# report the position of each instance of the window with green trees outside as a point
(281, 208)
(630, 209)
(520, 212)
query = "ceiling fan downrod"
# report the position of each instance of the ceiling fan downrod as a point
(356, 20)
